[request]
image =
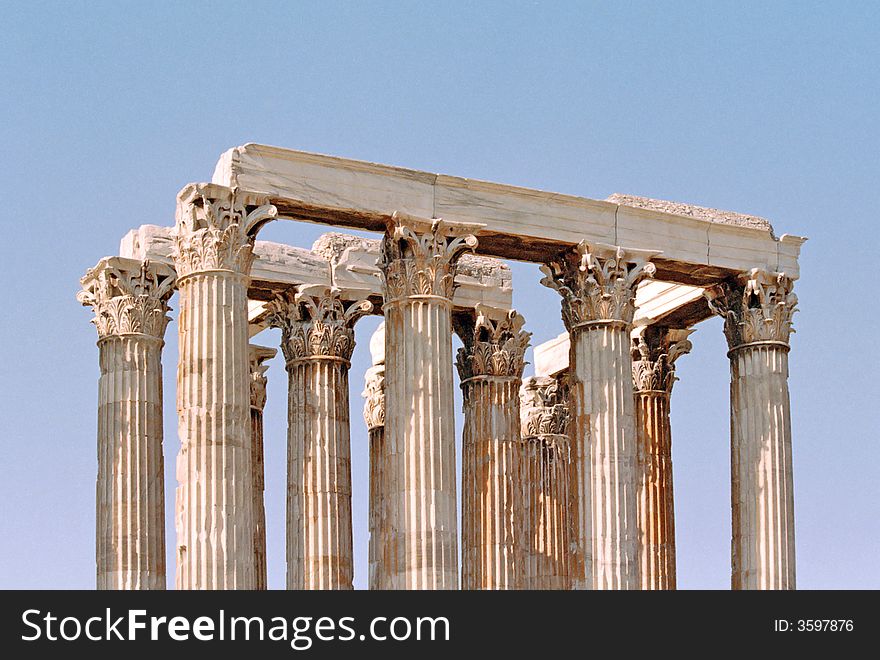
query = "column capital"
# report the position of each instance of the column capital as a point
(418, 256)
(128, 296)
(316, 324)
(654, 352)
(543, 410)
(597, 283)
(757, 308)
(215, 228)
(258, 356)
(494, 348)
(374, 397)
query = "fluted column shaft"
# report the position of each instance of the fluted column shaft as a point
(130, 303)
(418, 265)
(762, 497)
(377, 509)
(655, 505)
(258, 354)
(493, 508)
(654, 352)
(545, 484)
(598, 285)
(493, 543)
(319, 537)
(213, 254)
(374, 417)
(318, 340)
(757, 312)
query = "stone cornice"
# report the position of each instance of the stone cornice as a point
(128, 297)
(654, 353)
(374, 397)
(316, 324)
(543, 407)
(215, 228)
(418, 257)
(492, 348)
(757, 308)
(597, 283)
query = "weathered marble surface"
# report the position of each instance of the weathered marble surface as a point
(363, 195)
(757, 312)
(130, 301)
(352, 260)
(494, 543)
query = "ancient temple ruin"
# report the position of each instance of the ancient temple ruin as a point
(566, 473)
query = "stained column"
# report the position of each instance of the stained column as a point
(213, 252)
(598, 285)
(130, 301)
(493, 509)
(374, 418)
(418, 268)
(757, 311)
(655, 351)
(258, 356)
(545, 483)
(317, 341)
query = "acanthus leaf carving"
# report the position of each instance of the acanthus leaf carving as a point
(419, 258)
(316, 325)
(597, 282)
(492, 348)
(215, 228)
(757, 308)
(128, 297)
(654, 353)
(374, 397)
(258, 381)
(543, 408)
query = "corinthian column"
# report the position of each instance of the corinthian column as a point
(213, 252)
(655, 351)
(757, 312)
(130, 301)
(418, 267)
(317, 340)
(545, 483)
(598, 285)
(374, 418)
(493, 510)
(258, 355)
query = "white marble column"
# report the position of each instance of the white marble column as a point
(546, 484)
(757, 312)
(655, 351)
(598, 284)
(213, 252)
(317, 341)
(493, 509)
(418, 268)
(374, 418)
(258, 356)
(130, 301)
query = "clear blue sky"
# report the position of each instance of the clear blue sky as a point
(108, 109)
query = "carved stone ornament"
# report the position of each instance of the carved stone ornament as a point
(316, 325)
(492, 348)
(258, 355)
(215, 228)
(654, 353)
(128, 297)
(374, 397)
(418, 257)
(543, 409)
(758, 308)
(597, 282)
